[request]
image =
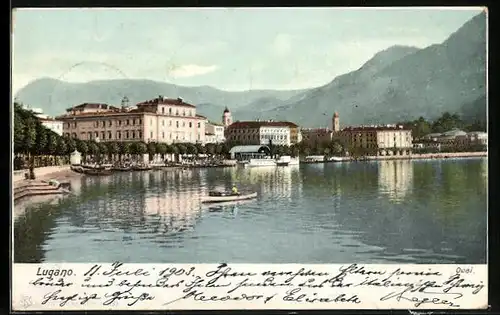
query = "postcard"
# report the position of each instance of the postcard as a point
(249, 158)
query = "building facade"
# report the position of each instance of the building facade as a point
(380, 140)
(262, 132)
(316, 135)
(52, 124)
(214, 133)
(157, 120)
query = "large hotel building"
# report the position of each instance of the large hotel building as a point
(158, 120)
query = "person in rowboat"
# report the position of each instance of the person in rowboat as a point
(235, 190)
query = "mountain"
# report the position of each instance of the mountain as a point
(400, 83)
(54, 96)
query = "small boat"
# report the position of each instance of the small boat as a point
(97, 172)
(281, 163)
(225, 197)
(141, 168)
(121, 169)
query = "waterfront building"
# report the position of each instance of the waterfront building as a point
(453, 138)
(262, 132)
(316, 135)
(157, 120)
(380, 139)
(214, 133)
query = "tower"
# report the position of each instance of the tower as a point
(226, 118)
(335, 122)
(125, 102)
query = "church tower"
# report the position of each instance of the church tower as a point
(226, 118)
(336, 122)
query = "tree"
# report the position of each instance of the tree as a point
(83, 148)
(103, 148)
(182, 148)
(326, 151)
(201, 149)
(125, 148)
(210, 148)
(219, 148)
(191, 148)
(93, 148)
(336, 148)
(71, 145)
(29, 134)
(161, 148)
(112, 148)
(19, 129)
(151, 150)
(62, 148)
(51, 146)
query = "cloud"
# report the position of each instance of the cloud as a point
(185, 71)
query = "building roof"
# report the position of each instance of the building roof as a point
(215, 124)
(316, 130)
(226, 110)
(160, 100)
(454, 133)
(92, 105)
(248, 148)
(376, 128)
(263, 123)
(335, 114)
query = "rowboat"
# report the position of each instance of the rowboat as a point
(223, 197)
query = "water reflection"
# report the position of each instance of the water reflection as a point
(396, 211)
(395, 178)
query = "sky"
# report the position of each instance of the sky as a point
(231, 49)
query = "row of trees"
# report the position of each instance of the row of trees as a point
(421, 127)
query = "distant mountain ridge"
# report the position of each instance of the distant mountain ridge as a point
(54, 96)
(396, 84)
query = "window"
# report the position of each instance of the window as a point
(74, 126)
(183, 124)
(199, 124)
(140, 134)
(109, 135)
(133, 121)
(74, 135)
(110, 123)
(177, 124)
(119, 122)
(128, 122)
(151, 121)
(190, 124)
(103, 123)
(163, 110)
(133, 134)
(103, 135)
(89, 135)
(183, 113)
(126, 134)
(96, 134)
(163, 135)
(118, 135)
(140, 121)
(170, 111)
(176, 112)
(151, 135)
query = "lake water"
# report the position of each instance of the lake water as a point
(369, 212)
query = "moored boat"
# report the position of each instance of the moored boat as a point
(225, 197)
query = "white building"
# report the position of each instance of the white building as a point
(214, 133)
(279, 135)
(52, 124)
